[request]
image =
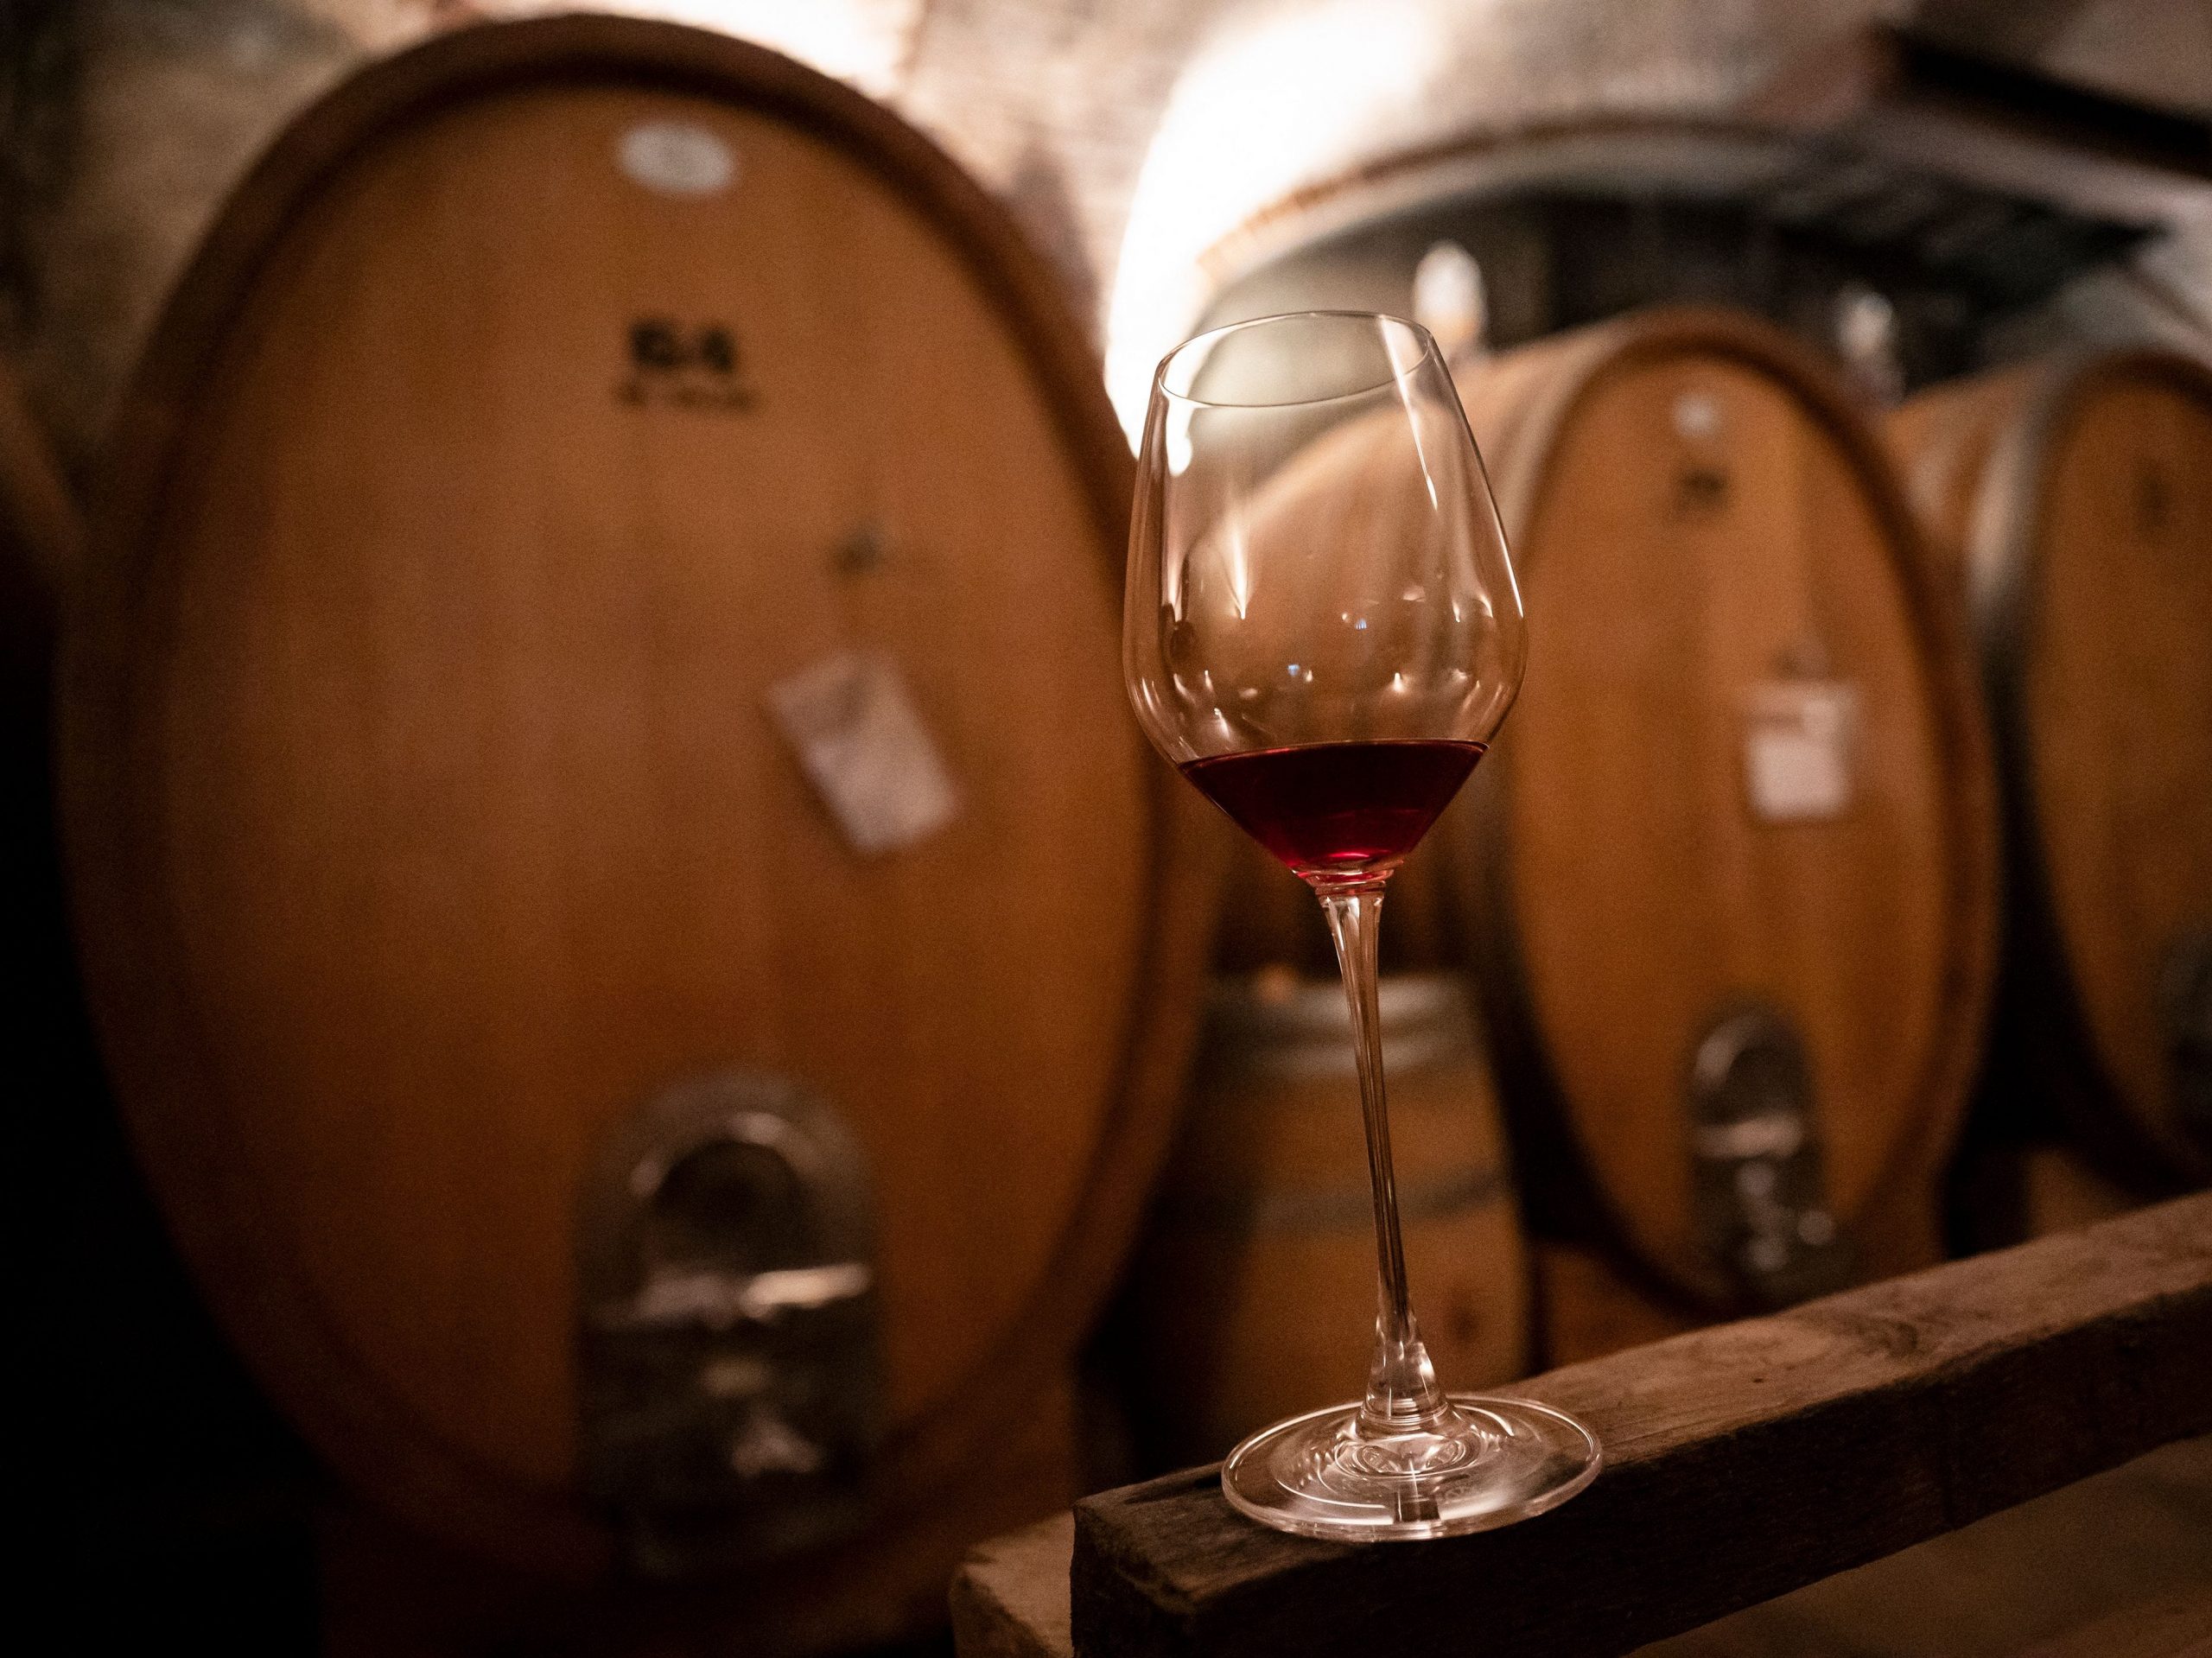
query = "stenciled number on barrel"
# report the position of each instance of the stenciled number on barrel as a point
(674, 366)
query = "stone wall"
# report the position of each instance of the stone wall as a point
(1126, 135)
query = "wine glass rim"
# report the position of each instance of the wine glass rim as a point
(1211, 336)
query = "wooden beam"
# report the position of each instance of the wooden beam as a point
(1010, 1599)
(1742, 1462)
(2130, 1548)
(1915, 102)
(2116, 1566)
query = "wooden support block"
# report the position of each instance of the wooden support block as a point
(2179, 1626)
(1742, 1461)
(2118, 1565)
(2126, 1550)
(1011, 1597)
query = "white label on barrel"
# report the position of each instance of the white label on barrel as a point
(1696, 414)
(863, 744)
(1798, 737)
(677, 159)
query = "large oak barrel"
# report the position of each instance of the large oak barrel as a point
(2071, 500)
(1731, 868)
(644, 957)
(1254, 1292)
(40, 543)
(40, 539)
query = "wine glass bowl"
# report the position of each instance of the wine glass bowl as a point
(1323, 632)
(1318, 552)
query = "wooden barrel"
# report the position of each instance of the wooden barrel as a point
(643, 953)
(1255, 1288)
(1270, 919)
(40, 541)
(1730, 868)
(2071, 500)
(56, 1072)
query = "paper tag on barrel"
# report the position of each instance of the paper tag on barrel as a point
(863, 744)
(677, 158)
(1798, 740)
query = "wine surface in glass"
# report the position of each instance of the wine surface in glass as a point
(1336, 810)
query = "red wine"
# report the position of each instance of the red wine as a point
(1337, 809)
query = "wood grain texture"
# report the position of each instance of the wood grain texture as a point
(425, 814)
(1741, 1462)
(1697, 514)
(2077, 496)
(1010, 1598)
(2116, 1566)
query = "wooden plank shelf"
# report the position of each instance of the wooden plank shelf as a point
(1742, 1461)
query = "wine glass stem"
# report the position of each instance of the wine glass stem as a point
(1403, 1394)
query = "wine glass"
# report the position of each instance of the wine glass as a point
(1323, 634)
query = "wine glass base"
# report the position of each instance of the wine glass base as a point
(1491, 1462)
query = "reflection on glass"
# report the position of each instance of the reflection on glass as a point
(1322, 631)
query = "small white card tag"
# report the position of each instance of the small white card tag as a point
(676, 159)
(862, 743)
(1799, 735)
